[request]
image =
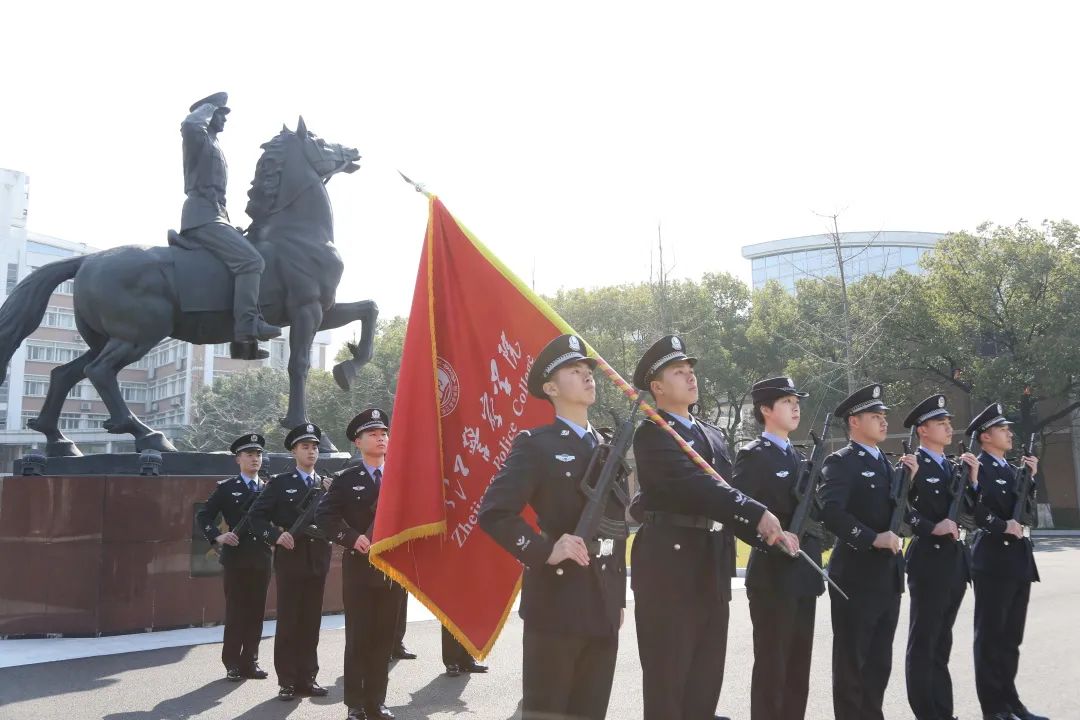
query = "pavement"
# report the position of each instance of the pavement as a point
(186, 680)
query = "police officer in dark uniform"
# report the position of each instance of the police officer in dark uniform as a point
(782, 591)
(245, 557)
(346, 515)
(1003, 568)
(866, 563)
(574, 589)
(205, 220)
(938, 562)
(681, 556)
(300, 564)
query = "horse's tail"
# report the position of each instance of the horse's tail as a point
(22, 312)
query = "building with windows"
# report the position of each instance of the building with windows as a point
(159, 388)
(815, 256)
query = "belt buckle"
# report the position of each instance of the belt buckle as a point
(607, 547)
(716, 526)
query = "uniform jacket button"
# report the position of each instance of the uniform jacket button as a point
(567, 474)
(558, 571)
(604, 566)
(678, 546)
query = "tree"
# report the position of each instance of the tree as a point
(254, 400)
(1004, 305)
(248, 401)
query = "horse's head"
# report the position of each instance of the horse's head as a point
(326, 158)
(293, 162)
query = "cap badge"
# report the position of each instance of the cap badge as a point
(999, 409)
(941, 401)
(374, 414)
(254, 438)
(574, 344)
(311, 428)
(676, 343)
(790, 383)
(877, 391)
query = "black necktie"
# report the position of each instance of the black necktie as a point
(590, 439)
(377, 474)
(252, 486)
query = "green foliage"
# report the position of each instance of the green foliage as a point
(256, 399)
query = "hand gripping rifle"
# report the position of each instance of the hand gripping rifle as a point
(599, 482)
(805, 488)
(901, 486)
(1025, 484)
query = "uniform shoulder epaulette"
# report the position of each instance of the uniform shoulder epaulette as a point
(752, 446)
(842, 452)
(350, 470)
(225, 480)
(542, 430)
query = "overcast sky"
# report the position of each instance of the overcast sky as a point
(561, 134)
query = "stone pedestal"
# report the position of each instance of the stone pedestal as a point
(103, 554)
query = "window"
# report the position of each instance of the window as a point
(133, 391)
(167, 387)
(35, 385)
(53, 352)
(12, 277)
(65, 288)
(167, 352)
(221, 350)
(84, 390)
(58, 317)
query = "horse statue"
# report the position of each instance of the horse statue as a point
(129, 298)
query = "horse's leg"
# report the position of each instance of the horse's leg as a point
(102, 372)
(342, 314)
(304, 321)
(61, 380)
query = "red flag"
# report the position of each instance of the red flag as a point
(474, 330)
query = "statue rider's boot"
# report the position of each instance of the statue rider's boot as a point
(249, 327)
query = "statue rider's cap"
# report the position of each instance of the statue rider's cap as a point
(220, 100)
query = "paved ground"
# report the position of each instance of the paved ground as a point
(186, 682)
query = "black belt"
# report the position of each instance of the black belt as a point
(698, 522)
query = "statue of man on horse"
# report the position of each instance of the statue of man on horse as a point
(211, 284)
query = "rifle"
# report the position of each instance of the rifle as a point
(805, 487)
(599, 482)
(1025, 483)
(307, 512)
(957, 484)
(901, 486)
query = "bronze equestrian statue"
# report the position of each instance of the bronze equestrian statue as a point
(128, 299)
